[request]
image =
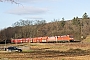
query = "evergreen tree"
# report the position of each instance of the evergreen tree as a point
(62, 22)
(76, 21)
(85, 16)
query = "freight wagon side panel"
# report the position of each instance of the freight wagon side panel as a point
(44, 39)
(39, 39)
(19, 41)
(12, 40)
(28, 40)
(34, 40)
(51, 39)
(23, 40)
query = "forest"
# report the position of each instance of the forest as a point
(78, 27)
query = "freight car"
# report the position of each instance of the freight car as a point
(65, 38)
(39, 39)
(22, 40)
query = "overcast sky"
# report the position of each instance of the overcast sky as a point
(41, 9)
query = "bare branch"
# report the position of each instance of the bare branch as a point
(12, 1)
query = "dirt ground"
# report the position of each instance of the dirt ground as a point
(49, 51)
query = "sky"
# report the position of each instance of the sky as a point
(41, 10)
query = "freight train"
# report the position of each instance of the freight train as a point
(64, 38)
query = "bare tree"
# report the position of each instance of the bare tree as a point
(12, 1)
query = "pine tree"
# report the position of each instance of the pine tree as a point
(85, 16)
(76, 21)
(62, 22)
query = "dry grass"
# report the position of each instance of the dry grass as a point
(49, 51)
(87, 40)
